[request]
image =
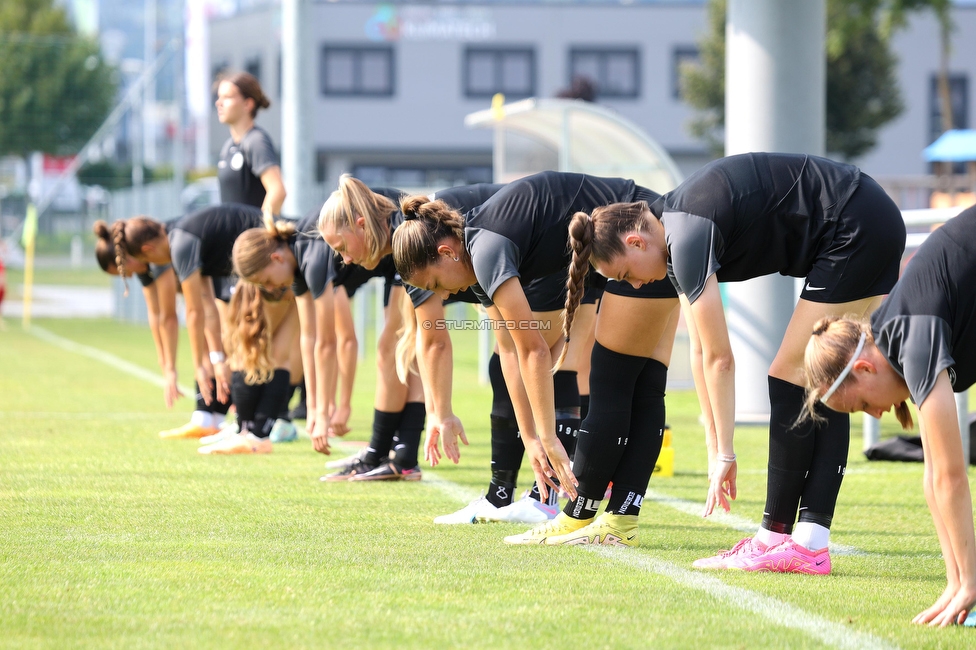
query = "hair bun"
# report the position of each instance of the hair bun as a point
(100, 228)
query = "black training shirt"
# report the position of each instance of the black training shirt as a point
(522, 231)
(314, 257)
(927, 323)
(751, 215)
(205, 239)
(240, 167)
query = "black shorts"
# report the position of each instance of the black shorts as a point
(223, 286)
(863, 257)
(352, 277)
(548, 293)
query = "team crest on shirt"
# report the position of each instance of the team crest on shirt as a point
(237, 161)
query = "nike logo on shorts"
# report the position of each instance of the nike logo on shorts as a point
(809, 288)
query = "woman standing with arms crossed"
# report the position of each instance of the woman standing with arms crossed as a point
(743, 217)
(919, 345)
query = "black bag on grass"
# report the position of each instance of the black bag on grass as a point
(904, 448)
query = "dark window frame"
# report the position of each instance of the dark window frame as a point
(956, 79)
(497, 53)
(357, 51)
(254, 64)
(680, 54)
(604, 53)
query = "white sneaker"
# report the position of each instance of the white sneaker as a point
(227, 429)
(469, 513)
(348, 461)
(524, 511)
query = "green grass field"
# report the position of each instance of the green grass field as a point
(111, 537)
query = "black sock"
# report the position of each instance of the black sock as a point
(407, 440)
(820, 491)
(507, 448)
(501, 401)
(644, 440)
(246, 398)
(273, 398)
(501, 490)
(506, 459)
(790, 456)
(582, 507)
(603, 435)
(566, 398)
(385, 425)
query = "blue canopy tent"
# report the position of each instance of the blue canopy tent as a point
(956, 145)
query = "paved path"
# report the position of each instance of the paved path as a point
(59, 301)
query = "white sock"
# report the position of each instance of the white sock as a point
(811, 536)
(202, 419)
(769, 538)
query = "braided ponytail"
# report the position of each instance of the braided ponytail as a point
(580, 241)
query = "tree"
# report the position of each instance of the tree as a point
(862, 90)
(55, 89)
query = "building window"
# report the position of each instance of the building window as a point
(253, 67)
(508, 71)
(614, 71)
(682, 56)
(958, 99)
(357, 71)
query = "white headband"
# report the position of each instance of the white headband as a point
(846, 371)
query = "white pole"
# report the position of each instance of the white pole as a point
(774, 101)
(297, 127)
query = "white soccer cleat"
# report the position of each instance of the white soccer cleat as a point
(227, 429)
(469, 514)
(524, 511)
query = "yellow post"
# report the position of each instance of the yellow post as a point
(27, 239)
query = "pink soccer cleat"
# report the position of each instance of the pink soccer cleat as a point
(744, 548)
(788, 557)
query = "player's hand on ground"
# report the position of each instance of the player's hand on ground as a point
(317, 426)
(721, 486)
(204, 375)
(936, 608)
(956, 610)
(171, 389)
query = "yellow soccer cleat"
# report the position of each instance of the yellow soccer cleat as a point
(188, 430)
(563, 524)
(607, 530)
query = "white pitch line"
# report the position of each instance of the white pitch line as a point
(735, 522)
(105, 357)
(776, 611)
